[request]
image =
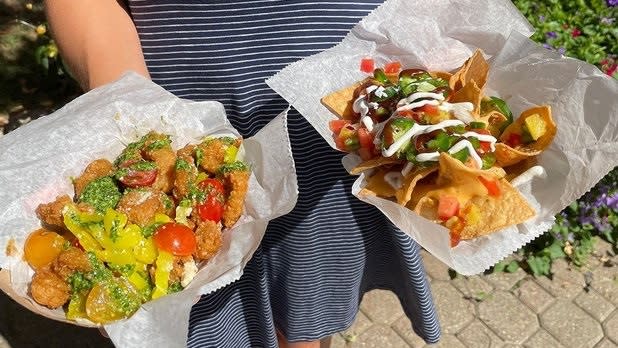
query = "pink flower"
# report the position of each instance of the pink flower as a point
(576, 32)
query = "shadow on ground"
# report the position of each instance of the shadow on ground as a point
(24, 329)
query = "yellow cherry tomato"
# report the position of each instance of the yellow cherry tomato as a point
(42, 247)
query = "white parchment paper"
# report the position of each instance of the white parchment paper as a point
(441, 35)
(37, 161)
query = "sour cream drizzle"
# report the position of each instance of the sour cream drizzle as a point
(481, 137)
(460, 110)
(464, 144)
(417, 130)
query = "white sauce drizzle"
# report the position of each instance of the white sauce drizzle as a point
(460, 110)
(417, 130)
(434, 156)
(368, 122)
(380, 92)
(481, 137)
(407, 169)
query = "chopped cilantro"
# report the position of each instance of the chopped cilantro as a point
(182, 164)
(174, 287)
(199, 156)
(234, 166)
(78, 281)
(159, 144)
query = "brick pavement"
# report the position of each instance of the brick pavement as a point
(577, 308)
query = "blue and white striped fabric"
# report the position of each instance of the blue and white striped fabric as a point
(316, 262)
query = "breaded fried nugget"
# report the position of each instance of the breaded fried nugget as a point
(166, 162)
(237, 182)
(70, 261)
(178, 268)
(212, 155)
(157, 148)
(51, 213)
(142, 205)
(186, 171)
(209, 239)
(48, 289)
(97, 169)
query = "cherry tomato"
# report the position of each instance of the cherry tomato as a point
(42, 247)
(175, 238)
(212, 207)
(491, 185)
(448, 206)
(340, 143)
(392, 67)
(365, 139)
(139, 178)
(336, 125)
(456, 236)
(367, 65)
(102, 305)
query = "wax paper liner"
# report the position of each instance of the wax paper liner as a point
(38, 159)
(441, 35)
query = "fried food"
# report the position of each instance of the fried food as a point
(51, 213)
(209, 239)
(97, 169)
(70, 261)
(238, 184)
(186, 172)
(49, 289)
(142, 205)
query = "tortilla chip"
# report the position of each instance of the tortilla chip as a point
(441, 74)
(378, 186)
(452, 171)
(409, 182)
(510, 208)
(506, 155)
(340, 102)
(374, 163)
(494, 121)
(427, 208)
(474, 69)
(469, 93)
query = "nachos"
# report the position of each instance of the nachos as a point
(437, 145)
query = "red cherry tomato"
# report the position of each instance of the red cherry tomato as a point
(365, 154)
(340, 143)
(367, 65)
(336, 125)
(392, 67)
(175, 238)
(448, 206)
(212, 207)
(491, 185)
(139, 178)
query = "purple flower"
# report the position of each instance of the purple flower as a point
(548, 46)
(607, 20)
(562, 50)
(542, 18)
(552, 34)
(612, 3)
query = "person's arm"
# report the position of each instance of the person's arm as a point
(96, 38)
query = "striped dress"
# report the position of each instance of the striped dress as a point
(314, 264)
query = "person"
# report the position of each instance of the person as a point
(306, 281)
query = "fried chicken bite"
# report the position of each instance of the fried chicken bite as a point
(51, 213)
(157, 148)
(209, 240)
(96, 169)
(70, 261)
(49, 289)
(186, 172)
(141, 205)
(237, 182)
(212, 154)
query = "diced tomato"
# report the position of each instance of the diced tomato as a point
(392, 67)
(514, 140)
(491, 185)
(485, 147)
(340, 143)
(367, 65)
(175, 238)
(364, 138)
(455, 238)
(212, 207)
(448, 206)
(430, 109)
(336, 125)
(480, 131)
(365, 153)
